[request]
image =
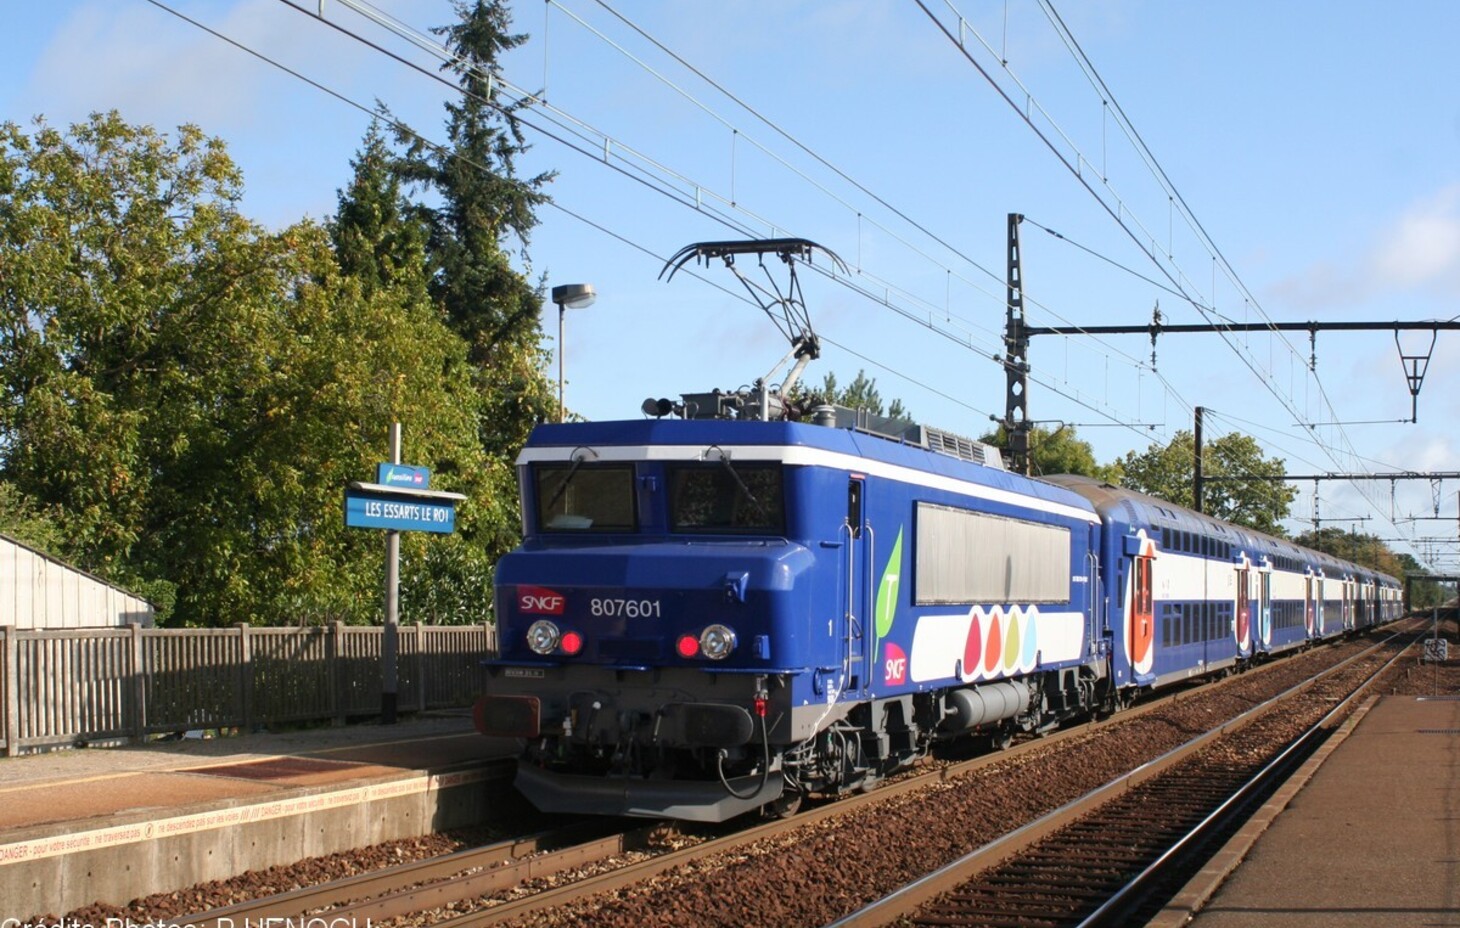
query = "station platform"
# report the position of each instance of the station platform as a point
(113, 824)
(1368, 834)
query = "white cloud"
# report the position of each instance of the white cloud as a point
(1423, 247)
(1418, 252)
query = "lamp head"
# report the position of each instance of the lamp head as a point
(574, 296)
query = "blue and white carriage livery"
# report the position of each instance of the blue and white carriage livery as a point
(1193, 595)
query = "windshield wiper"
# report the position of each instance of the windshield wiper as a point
(578, 460)
(759, 507)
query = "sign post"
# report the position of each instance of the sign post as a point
(398, 501)
(390, 637)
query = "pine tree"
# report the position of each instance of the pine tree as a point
(484, 207)
(376, 240)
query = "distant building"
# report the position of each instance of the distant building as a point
(38, 592)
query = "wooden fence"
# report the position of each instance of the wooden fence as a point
(83, 686)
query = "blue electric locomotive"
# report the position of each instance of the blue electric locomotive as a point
(709, 616)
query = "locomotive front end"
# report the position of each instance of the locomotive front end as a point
(650, 627)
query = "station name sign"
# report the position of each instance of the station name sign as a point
(399, 508)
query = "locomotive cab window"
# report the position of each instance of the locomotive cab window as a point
(585, 497)
(726, 497)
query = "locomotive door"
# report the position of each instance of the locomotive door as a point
(858, 618)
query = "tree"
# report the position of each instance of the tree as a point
(376, 238)
(93, 232)
(24, 521)
(862, 393)
(1424, 594)
(188, 393)
(483, 208)
(1168, 471)
(1057, 451)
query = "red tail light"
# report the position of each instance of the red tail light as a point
(572, 643)
(687, 646)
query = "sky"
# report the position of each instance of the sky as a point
(1243, 161)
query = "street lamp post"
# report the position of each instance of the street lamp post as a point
(577, 296)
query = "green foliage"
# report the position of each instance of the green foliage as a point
(1167, 472)
(24, 521)
(445, 580)
(92, 230)
(1424, 594)
(479, 207)
(376, 237)
(1370, 551)
(861, 393)
(188, 394)
(1057, 451)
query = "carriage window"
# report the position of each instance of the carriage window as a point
(726, 497)
(585, 497)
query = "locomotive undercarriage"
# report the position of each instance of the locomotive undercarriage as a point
(655, 750)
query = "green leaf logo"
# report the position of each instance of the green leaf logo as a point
(887, 588)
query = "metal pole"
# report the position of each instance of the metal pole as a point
(1016, 357)
(562, 308)
(1196, 483)
(390, 640)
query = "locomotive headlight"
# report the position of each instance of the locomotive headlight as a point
(716, 642)
(543, 637)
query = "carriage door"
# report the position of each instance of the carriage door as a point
(1142, 615)
(858, 617)
(1264, 607)
(1309, 613)
(1244, 616)
(1320, 624)
(1348, 604)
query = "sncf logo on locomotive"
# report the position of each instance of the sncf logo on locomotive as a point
(894, 664)
(539, 600)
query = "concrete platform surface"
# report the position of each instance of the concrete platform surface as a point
(1372, 840)
(72, 786)
(109, 825)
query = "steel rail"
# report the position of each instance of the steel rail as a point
(1135, 892)
(297, 902)
(902, 903)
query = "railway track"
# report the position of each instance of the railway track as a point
(1113, 861)
(518, 880)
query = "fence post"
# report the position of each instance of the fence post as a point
(421, 664)
(12, 692)
(139, 684)
(338, 678)
(245, 676)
